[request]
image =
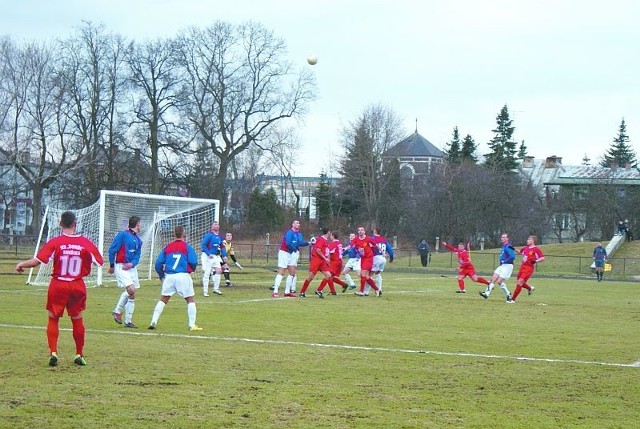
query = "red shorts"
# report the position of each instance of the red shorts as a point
(69, 295)
(318, 265)
(525, 272)
(467, 271)
(366, 263)
(335, 267)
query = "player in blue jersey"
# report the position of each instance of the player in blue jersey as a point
(504, 270)
(124, 256)
(288, 255)
(214, 255)
(174, 266)
(353, 264)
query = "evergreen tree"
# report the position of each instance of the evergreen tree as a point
(503, 148)
(468, 151)
(453, 152)
(522, 151)
(620, 152)
(324, 201)
(265, 210)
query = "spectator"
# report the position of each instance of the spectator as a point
(423, 250)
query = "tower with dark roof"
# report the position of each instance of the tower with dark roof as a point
(416, 155)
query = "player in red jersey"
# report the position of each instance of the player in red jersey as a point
(531, 255)
(465, 267)
(72, 256)
(365, 247)
(335, 263)
(319, 263)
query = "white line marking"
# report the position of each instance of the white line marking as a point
(344, 347)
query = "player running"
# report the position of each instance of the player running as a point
(531, 255)
(465, 267)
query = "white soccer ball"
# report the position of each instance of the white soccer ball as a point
(312, 60)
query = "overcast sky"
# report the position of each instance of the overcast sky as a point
(568, 70)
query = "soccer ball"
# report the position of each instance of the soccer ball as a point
(312, 60)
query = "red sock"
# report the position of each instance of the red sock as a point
(332, 288)
(526, 286)
(483, 280)
(516, 292)
(78, 334)
(340, 282)
(305, 285)
(322, 285)
(372, 283)
(53, 331)
(461, 284)
(363, 281)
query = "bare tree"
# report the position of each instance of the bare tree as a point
(365, 140)
(239, 87)
(38, 147)
(157, 83)
(93, 69)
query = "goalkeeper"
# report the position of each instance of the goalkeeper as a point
(232, 254)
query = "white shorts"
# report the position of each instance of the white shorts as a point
(353, 264)
(180, 283)
(379, 261)
(128, 277)
(504, 271)
(210, 263)
(286, 259)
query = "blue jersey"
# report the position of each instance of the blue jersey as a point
(176, 257)
(212, 244)
(126, 247)
(507, 254)
(350, 251)
(383, 247)
(599, 253)
(292, 241)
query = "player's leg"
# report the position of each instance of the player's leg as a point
(207, 266)
(461, 288)
(217, 274)
(226, 272)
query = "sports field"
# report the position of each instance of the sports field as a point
(421, 356)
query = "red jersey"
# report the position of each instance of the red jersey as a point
(335, 251)
(463, 256)
(364, 246)
(530, 254)
(72, 256)
(321, 245)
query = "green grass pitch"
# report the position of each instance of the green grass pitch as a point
(421, 356)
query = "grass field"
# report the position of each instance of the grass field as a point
(421, 356)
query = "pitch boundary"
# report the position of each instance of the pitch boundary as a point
(346, 347)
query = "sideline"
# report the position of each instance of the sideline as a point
(344, 347)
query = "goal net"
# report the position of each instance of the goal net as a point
(101, 222)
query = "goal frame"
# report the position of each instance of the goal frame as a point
(151, 227)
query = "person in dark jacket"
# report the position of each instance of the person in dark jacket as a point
(423, 250)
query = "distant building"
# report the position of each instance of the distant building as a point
(305, 187)
(550, 177)
(416, 155)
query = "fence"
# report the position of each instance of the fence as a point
(485, 262)
(19, 247)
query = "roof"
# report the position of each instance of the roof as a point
(590, 175)
(414, 146)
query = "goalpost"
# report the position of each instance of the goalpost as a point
(101, 222)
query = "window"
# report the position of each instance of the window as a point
(579, 192)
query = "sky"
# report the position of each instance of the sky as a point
(568, 70)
